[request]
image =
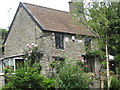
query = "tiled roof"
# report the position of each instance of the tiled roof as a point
(56, 20)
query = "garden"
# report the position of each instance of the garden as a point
(67, 74)
(64, 74)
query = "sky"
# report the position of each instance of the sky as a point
(9, 7)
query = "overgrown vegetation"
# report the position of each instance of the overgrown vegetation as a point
(28, 75)
(104, 20)
(72, 75)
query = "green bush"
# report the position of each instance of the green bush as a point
(71, 76)
(117, 60)
(28, 74)
(115, 82)
(48, 83)
(24, 77)
(28, 77)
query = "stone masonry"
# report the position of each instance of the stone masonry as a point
(25, 31)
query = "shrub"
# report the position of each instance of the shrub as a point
(32, 53)
(28, 77)
(24, 77)
(117, 60)
(7, 69)
(115, 82)
(71, 76)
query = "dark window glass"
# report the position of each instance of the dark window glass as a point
(19, 63)
(59, 41)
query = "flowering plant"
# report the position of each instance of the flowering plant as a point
(70, 75)
(33, 53)
(83, 64)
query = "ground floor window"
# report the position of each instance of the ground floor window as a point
(112, 66)
(90, 63)
(12, 63)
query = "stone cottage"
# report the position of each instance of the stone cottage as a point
(52, 30)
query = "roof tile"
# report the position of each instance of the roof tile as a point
(56, 20)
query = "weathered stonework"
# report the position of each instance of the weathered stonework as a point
(21, 33)
(25, 31)
(2, 81)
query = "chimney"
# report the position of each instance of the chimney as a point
(77, 7)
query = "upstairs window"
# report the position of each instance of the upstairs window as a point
(59, 40)
(87, 43)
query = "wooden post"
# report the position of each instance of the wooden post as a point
(102, 82)
(107, 60)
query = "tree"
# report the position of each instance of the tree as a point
(3, 33)
(104, 19)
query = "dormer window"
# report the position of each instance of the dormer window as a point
(59, 41)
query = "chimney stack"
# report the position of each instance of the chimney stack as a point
(78, 5)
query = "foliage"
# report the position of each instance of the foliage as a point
(24, 77)
(115, 82)
(82, 64)
(28, 77)
(53, 64)
(56, 65)
(117, 60)
(97, 53)
(28, 74)
(104, 64)
(104, 19)
(7, 69)
(72, 76)
(48, 83)
(32, 53)
(3, 33)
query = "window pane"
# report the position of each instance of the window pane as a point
(11, 62)
(56, 40)
(59, 40)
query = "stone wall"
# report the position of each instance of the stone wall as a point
(2, 80)
(25, 31)
(22, 32)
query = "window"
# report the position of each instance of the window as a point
(13, 62)
(91, 66)
(90, 63)
(59, 40)
(87, 42)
